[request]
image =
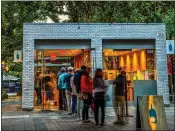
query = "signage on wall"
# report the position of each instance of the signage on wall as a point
(18, 56)
(52, 57)
(150, 51)
(151, 113)
(170, 46)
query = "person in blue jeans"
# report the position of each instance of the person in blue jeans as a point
(74, 97)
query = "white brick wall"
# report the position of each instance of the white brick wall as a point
(95, 32)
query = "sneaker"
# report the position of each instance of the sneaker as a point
(122, 123)
(103, 124)
(84, 122)
(74, 115)
(79, 119)
(116, 122)
(88, 121)
(69, 113)
(97, 123)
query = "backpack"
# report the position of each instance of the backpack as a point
(119, 80)
(77, 79)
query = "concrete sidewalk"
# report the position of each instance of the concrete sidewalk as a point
(61, 121)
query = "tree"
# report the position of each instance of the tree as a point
(124, 11)
(15, 13)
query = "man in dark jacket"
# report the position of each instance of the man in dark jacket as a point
(119, 96)
(77, 79)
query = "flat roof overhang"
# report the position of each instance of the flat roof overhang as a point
(62, 43)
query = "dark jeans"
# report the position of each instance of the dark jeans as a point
(62, 99)
(86, 105)
(99, 101)
(74, 104)
(39, 99)
(49, 94)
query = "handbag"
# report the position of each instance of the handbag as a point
(83, 96)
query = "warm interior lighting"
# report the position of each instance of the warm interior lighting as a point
(143, 60)
(135, 61)
(121, 62)
(128, 62)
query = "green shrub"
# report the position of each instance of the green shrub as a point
(19, 93)
(4, 94)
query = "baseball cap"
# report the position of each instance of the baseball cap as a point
(63, 69)
(70, 69)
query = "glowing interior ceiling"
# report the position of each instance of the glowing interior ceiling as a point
(62, 52)
(111, 52)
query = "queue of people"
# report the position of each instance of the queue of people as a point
(80, 89)
(78, 92)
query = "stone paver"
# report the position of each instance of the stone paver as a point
(62, 122)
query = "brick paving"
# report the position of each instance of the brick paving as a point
(55, 121)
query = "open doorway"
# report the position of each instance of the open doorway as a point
(139, 64)
(48, 63)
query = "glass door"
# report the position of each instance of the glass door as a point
(46, 93)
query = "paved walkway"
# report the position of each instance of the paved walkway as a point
(63, 122)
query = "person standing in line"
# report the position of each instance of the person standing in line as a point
(38, 90)
(119, 97)
(68, 89)
(99, 96)
(77, 82)
(86, 91)
(74, 96)
(60, 91)
(62, 86)
(92, 104)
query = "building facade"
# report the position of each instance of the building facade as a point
(93, 35)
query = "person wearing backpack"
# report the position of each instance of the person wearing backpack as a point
(86, 95)
(77, 83)
(119, 97)
(99, 96)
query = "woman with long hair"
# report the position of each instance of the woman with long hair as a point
(99, 96)
(86, 90)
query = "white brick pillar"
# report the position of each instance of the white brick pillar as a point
(161, 64)
(28, 73)
(96, 54)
